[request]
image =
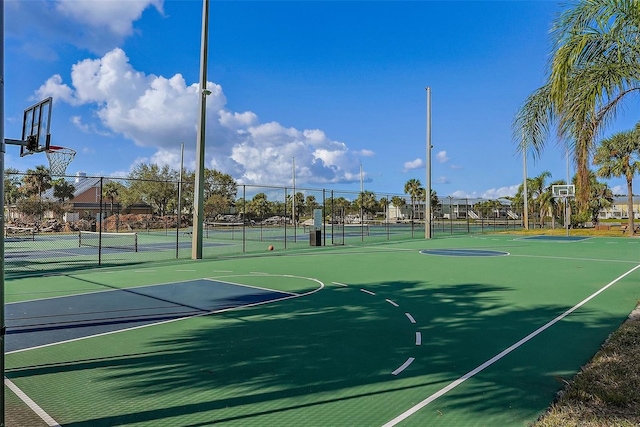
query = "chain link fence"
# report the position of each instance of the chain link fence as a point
(75, 222)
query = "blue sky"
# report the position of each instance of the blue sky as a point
(334, 84)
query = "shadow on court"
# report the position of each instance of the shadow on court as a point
(327, 360)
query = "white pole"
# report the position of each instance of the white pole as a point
(2, 151)
(179, 215)
(567, 208)
(198, 212)
(293, 199)
(525, 214)
(427, 214)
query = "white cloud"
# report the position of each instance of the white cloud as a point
(619, 189)
(496, 193)
(442, 156)
(96, 25)
(492, 193)
(443, 180)
(159, 112)
(414, 164)
(461, 194)
(55, 88)
(367, 153)
(114, 16)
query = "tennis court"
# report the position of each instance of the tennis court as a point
(470, 330)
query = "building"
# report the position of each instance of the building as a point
(619, 209)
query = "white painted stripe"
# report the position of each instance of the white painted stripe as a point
(418, 338)
(393, 303)
(31, 404)
(410, 317)
(404, 366)
(500, 355)
(313, 291)
(367, 292)
(339, 284)
(576, 259)
(184, 270)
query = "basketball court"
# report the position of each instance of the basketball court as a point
(475, 330)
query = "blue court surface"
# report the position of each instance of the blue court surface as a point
(52, 320)
(556, 238)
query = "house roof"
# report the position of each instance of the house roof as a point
(80, 184)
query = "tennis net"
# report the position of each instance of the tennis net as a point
(19, 233)
(126, 241)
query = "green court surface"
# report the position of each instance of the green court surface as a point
(376, 335)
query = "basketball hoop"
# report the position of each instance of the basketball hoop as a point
(59, 159)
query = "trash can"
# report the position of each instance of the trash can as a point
(315, 238)
(93, 227)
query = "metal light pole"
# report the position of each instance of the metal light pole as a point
(525, 214)
(198, 212)
(2, 150)
(179, 215)
(427, 214)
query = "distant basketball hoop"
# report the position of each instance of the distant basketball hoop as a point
(59, 159)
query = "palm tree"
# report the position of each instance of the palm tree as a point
(37, 181)
(63, 190)
(398, 202)
(619, 156)
(555, 206)
(594, 66)
(537, 186)
(111, 190)
(412, 188)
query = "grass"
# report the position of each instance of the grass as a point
(606, 392)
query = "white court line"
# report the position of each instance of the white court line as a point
(393, 303)
(367, 291)
(224, 310)
(404, 366)
(339, 284)
(410, 317)
(418, 338)
(503, 353)
(255, 287)
(31, 404)
(575, 259)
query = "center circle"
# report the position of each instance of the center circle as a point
(463, 252)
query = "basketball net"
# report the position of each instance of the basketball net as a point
(59, 159)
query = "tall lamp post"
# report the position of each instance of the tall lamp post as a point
(525, 214)
(198, 212)
(427, 214)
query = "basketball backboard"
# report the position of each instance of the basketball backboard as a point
(36, 124)
(563, 191)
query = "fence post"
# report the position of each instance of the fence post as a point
(100, 226)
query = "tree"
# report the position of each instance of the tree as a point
(398, 202)
(111, 190)
(12, 185)
(36, 181)
(259, 205)
(619, 156)
(555, 206)
(594, 67)
(153, 185)
(540, 193)
(311, 204)
(600, 197)
(221, 188)
(412, 188)
(367, 202)
(63, 190)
